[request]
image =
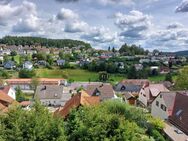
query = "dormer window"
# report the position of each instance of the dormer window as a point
(123, 88)
(97, 94)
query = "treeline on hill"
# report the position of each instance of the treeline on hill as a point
(59, 43)
(108, 121)
(132, 50)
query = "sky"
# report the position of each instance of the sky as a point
(152, 24)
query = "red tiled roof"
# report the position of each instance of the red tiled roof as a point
(135, 81)
(79, 99)
(44, 81)
(25, 103)
(5, 89)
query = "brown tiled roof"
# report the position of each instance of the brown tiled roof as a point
(106, 90)
(180, 112)
(153, 90)
(79, 99)
(135, 81)
(5, 101)
(5, 98)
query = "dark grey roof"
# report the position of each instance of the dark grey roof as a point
(49, 92)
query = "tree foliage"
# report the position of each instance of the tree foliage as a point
(24, 73)
(110, 121)
(182, 79)
(34, 125)
(59, 43)
(132, 50)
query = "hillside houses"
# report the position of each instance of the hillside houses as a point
(130, 85)
(52, 95)
(82, 98)
(149, 92)
(104, 91)
(163, 104)
(26, 84)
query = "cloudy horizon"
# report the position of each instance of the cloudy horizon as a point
(153, 24)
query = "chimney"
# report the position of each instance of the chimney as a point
(146, 84)
(44, 88)
(102, 85)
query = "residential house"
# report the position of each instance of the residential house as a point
(42, 63)
(26, 84)
(9, 65)
(120, 65)
(179, 116)
(130, 85)
(144, 61)
(1, 58)
(52, 95)
(130, 98)
(84, 62)
(164, 70)
(61, 62)
(149, 92)
(28, 65)
(9, 91)
(6, 52)
(80, 99)
(163, 105)
(104, 91)
(138, 67)
(5, 102)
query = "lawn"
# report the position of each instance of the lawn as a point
(158, 78)
(74, 74)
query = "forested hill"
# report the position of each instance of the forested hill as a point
(59, 43)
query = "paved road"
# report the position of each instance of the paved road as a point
(169, 130)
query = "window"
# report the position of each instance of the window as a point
(161, 96)
(157, 103)
(123, 88)
(163, 107)
(144, 95)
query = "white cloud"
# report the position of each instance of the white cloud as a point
(99, 35)
(173, 38)
(183, 7)
(9, 13)
(76, 26)
(133, 25)
(29, 24)
(67, 14)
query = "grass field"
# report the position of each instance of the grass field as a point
(74, 74)
(157, 78)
